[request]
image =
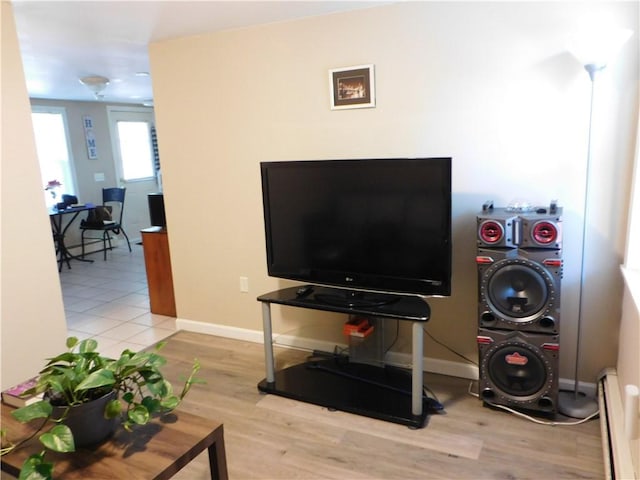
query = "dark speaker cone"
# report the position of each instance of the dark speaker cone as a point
(517, 371)
(517, 291)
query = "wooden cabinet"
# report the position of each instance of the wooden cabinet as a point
(157, 262)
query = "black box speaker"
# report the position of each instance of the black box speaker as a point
(156, 210)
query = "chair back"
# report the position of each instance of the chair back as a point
(114, 195)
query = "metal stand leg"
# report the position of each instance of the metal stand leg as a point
(417, 384)
(268, 342)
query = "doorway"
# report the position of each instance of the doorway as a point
(136, 161)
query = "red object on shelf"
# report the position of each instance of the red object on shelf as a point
(357, 327)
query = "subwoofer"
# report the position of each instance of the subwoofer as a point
(519, 289)
(519, 369)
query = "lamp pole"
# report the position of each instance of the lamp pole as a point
(577, 404)
(594, 47)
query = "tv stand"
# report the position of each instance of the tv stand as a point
(386, 393)
(355, 298)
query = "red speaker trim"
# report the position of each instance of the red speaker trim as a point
(491, 232)
(544, 233)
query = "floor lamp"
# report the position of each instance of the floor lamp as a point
(594, 49)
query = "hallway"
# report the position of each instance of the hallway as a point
(109, 301)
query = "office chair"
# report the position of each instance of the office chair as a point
(111, 197)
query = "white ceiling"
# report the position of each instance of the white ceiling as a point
(62, 41)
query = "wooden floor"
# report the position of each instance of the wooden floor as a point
(270, 437)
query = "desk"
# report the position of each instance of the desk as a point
(59, 232)
(157, 450)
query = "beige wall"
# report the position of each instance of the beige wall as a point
(489, 84)
(32, 324)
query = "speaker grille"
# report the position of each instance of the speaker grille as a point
(518, 289)
(491, 232)
(517, 371)
(544, 233)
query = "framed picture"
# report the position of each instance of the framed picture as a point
(352, 87)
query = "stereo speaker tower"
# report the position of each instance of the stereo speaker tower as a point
(519, 261)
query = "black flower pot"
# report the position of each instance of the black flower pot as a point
(87, 421)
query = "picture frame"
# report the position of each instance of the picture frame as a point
(352, 87)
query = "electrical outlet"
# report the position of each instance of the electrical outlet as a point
(244, 284)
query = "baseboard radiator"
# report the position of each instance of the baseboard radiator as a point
(615, 444)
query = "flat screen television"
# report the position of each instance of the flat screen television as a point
(368, 225)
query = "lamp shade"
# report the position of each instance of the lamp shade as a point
(597, 46)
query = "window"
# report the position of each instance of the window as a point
(632, 255)
(52, 145)
(135, 150)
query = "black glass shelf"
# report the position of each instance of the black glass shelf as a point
(383, 393)
(401, 307)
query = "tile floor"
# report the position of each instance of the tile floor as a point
(109, 301)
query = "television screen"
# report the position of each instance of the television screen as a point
(380, 225)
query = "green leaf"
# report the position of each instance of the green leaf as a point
(56, 384)
(99, 378)
(170, 402)
(35, 468)
(88, 345)
(66, 357)
(41, 409)
(151, 404)
(156, 360)
(128, 397)
(113, 409)
(58, 439)
(160, 387)
(139, 414)
(71, 342)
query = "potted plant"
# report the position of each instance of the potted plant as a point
(130, 390)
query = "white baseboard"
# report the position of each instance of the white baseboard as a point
(616, 446)
(254, 336)
(431, 365)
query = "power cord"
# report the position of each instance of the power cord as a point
(529, 417)
(543, 422)
(395, 339)
(473, 362)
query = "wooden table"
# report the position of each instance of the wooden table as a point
(154, 451)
